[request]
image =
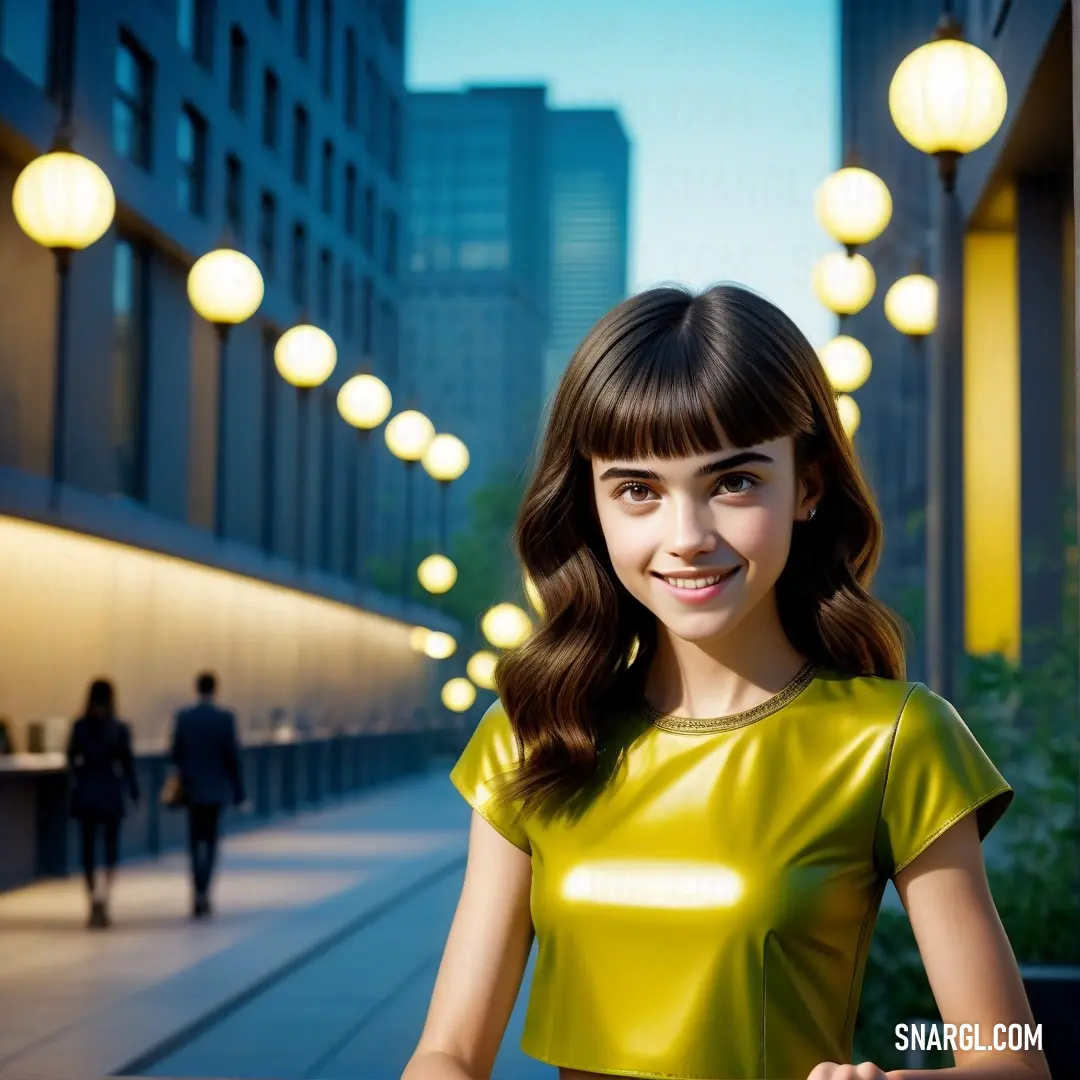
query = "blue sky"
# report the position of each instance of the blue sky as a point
(731, 107)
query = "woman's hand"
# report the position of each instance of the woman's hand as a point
(829, 1070)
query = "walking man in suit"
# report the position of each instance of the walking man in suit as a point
(206, 754)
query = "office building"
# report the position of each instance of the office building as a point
(278, 124)
(590, 176)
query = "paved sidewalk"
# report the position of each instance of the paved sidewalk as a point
(77, 1004)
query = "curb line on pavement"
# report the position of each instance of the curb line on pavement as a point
(149, 1058)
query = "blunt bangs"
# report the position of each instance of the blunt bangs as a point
(675, 393)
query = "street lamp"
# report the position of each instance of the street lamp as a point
(505, 626)
(226, 289)
(437, 574)
(533, 596)
(305, 356)
(458, 695)
(439, 645)
(63, 202)
(364, 403)
(481, 669)
(946, 98)
(407, 436)
(853, 206)
(846, 362)
(445, 460)
(850, 414)
(911, 305)
(844, 283)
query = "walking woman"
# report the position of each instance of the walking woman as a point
(706, 763)
(102, 766)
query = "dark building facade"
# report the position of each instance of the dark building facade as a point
(278, 124)
(1016, 318)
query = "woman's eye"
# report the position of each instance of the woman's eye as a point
(637, 492)
(738, 478)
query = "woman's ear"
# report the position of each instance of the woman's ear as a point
(811, 485)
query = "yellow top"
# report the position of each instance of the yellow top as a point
(708, 914)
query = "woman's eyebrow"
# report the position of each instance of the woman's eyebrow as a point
(744, 457)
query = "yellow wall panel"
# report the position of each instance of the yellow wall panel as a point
(991, 444)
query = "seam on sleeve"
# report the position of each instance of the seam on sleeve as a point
(982, 800)
(888, 769)
(486, 814)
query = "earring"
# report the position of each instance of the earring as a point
(810, 513)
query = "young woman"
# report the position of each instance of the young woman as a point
(102, 764)
(705, 764)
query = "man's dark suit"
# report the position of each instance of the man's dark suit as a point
(206, 753)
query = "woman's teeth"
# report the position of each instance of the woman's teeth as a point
(695, 583)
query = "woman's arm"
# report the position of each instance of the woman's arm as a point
(482, 965)
(968, 959)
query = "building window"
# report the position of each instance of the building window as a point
(132, 102)
(371, 103)
(367, 220)
(271, 382)
(300, 145)
(195, 30)
(326, 274)
(271, 121)
(327, 177)
(234, 196)
(191, 152)
(238, 64)
(327, 47)
(25, 34)
(129, 370)
(350, 199)
(393, 150)
(303, 28)
(367, 312)
(352, 85)
(299, 264)
(390, 242)
(268, 233)
(348, 315)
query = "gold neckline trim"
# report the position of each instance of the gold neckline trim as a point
(694, 725)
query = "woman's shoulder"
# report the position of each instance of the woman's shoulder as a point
(871, 696)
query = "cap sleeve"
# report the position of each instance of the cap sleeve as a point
(937, 774)
(490, 753)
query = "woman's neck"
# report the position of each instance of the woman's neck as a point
(720, 677)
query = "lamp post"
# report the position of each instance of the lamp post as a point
(65, 203)
(226, 289)
(407, 436)
(911, 306)
(364, 402)
(445, 460)
(305, 356)
(946, 98)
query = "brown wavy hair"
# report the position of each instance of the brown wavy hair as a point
(653, 378)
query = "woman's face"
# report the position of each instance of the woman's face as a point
(701, 541)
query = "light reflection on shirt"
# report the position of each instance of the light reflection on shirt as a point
(653, 883)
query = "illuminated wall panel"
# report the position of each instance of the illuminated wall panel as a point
(76, 607)
(991, 444)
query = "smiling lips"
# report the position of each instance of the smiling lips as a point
(697, 588)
